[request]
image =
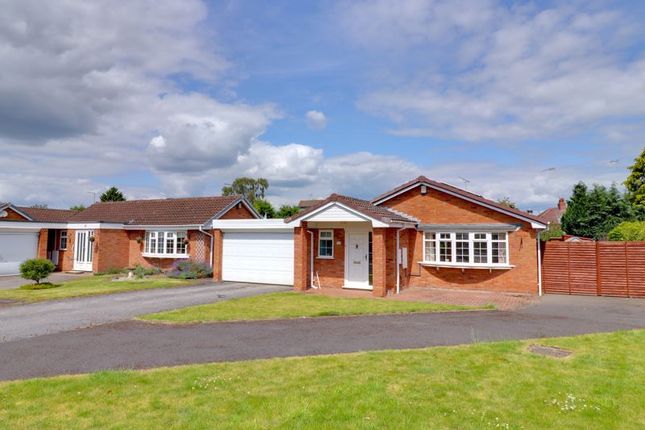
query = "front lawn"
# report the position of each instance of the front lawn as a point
(293, 305)
(88, 286)
(482, 386)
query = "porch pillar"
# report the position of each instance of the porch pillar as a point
(43, 238)
(379, 262)
(218, 250)
(301, 257)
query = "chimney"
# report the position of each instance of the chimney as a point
(562, 204)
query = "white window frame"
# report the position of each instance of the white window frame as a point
(440, 236)
(160, 248)
(63, 235)
(320, 239)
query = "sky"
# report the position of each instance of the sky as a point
(177, 98)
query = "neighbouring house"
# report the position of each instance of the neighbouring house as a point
(423, 233)
(111, 235)
(553, 216)
(306, 204)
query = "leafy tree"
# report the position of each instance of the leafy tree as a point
(36, 269)
(112, 194)
(251, 188)
(78, 208)
(39, 206)
(286, 211)
(628, 230)
(264, 208)
(506, 201)
(593, 213)
(635, 184)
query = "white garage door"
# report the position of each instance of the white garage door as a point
(263, 257)
(16, 248)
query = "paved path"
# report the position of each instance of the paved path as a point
(140, 345)
(19, 322)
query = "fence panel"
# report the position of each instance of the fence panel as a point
(594, 268)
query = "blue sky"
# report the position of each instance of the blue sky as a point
(173, 98)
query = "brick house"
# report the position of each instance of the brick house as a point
(110, 235)
(422, 233)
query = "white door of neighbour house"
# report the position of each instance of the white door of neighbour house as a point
(83, 250)
(357, 261)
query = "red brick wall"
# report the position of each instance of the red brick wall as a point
(42, 243)
(67, 257)
(331, 271)
(218, 250)
(379, 262)
(301, 273)
(440, 208)
(110, 250)
(238, 212)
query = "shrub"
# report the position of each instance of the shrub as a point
(629, 231)
(188, 269)
(111, 271)
(36, 269)
(41, 286)
(140, 272)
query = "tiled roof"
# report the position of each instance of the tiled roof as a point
(179, 211)
(552, 215)
(363, 206)
(304, 204)
(463, 193)
(47, 215)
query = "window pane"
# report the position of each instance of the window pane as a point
(499, 252)
(170, 243)
(325, 234)
(445, 250)
(430, 250)
(480, 236)
(160, 242)
(480, 252)
(463, 252)
(181, 243)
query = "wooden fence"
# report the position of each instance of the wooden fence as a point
(594, 268)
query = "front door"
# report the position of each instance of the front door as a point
(357, 261)
(83, 250)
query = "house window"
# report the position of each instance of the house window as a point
(466, 248)
(166, 244)
(326, 244)
(63, 240)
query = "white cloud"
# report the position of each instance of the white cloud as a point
(316, 120)
(485, 71)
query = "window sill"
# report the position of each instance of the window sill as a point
(324, 258)
(149, 255)
(467, 266)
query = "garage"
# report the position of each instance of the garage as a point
(16, 247)
(258, 256)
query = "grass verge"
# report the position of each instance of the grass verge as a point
(87, 286)
(294, 305)
(481, 386)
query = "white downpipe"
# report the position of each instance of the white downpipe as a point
(398, 261)
(311, 259)
(210, 259)
(539, 257)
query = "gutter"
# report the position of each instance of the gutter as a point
(539, 258)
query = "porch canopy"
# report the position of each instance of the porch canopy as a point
(342, 242)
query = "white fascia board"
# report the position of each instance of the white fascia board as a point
(534, 224)
(162, 227)
(30, 225)
(94, 226)
(251, 225)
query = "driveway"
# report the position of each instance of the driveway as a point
(19, 322)
(138, 345)
(9, 282)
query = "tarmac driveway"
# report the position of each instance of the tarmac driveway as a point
(140, 345)
(23, 321)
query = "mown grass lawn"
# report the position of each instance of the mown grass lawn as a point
(89, 286)
(293, 305)
(481, 386)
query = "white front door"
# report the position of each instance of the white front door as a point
(83, 250)
(357, 261)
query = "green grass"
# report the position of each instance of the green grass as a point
(481, 386)
(293, 305)
(86, 286)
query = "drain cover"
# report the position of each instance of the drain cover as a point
(550, 351)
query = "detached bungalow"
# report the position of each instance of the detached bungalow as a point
(423, 233)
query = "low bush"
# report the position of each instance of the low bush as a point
(141, 272)
(188, 269)
(111, 271)
(628, 231)
(36, 269)
(41, 286)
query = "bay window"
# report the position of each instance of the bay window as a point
(463, 249)
(169, 244)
